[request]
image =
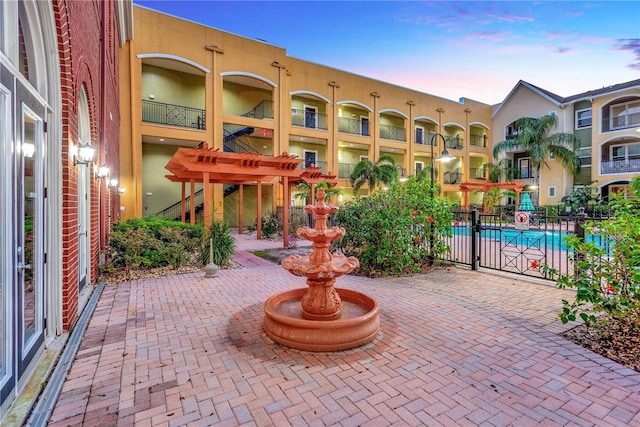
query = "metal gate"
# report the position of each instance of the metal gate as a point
(499, 242)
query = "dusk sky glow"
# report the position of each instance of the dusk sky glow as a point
(473, 49)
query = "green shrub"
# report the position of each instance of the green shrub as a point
(606, 276)
(223, 244)
(153, 242)
(391, 231)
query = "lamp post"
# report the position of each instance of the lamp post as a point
(444, 157)
(400, 170)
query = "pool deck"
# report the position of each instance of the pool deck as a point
(456, 347)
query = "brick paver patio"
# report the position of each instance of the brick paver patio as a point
(456, 347)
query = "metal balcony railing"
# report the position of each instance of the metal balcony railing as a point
(478, 140)
(319, 164)
(172, 115)
(308, 120)
(353, 126)
(453, 142)
(345, 170)
(263, 110)
(477, 173)
(623, 121)
(393, 132)
(620, 166)
(453, 177)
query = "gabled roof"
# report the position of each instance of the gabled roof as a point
(561, 101)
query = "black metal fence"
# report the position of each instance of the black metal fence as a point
(516, 243)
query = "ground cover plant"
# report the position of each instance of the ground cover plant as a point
(398, 230)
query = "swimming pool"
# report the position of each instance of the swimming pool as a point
(552, 240)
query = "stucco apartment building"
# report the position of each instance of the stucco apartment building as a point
(58, 99)
(607, 122)
(184, 84)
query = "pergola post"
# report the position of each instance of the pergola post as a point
(192, 202)
(285, 210)
(240, 203)
(259, 213)
(183, 205)
(207, 207)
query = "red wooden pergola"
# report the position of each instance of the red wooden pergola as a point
(466, 187)
(209, 166)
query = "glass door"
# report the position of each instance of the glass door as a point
(29, 221)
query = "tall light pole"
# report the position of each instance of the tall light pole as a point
(444, 157)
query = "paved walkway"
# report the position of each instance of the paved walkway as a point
(456, 347)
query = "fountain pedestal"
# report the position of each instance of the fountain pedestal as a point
(317, 318)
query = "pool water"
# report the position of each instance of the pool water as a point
(553, 240)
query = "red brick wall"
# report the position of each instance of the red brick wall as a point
(86, 31)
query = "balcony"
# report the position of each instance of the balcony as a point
(478, 140)
(393, 132)
(319, 164)
(622, 121)
(309, 120)
(172, 115)
(345, 170)
(453, 142)
(424, 139)
(353, 126)
(477, 173)
(631, 165)
(263, 110)
(453, 177)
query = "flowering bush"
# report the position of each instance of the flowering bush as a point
(398, 230)
(606, 276)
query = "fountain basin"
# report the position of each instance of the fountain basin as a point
(359, 322)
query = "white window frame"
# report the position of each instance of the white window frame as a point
(552, 192)
(363, 157)
(579, 119)
(415, 166)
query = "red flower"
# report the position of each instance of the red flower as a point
(457, 223)
(416, 239)
(414, 213)
(430, 218)
(611, 289)
(535, 264)
(360, 216)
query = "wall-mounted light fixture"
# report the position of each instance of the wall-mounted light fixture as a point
(83, 154)
(28, 149)
(113, 182)
(102, 172)
(120, 190)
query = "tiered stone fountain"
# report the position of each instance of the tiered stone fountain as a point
(320, 317)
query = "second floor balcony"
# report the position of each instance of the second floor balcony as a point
(353, 126)
(393, 132)
(620, 122)
(310, 120)
(453, 142)
(630, 165)
(172, 115)
(478, 140)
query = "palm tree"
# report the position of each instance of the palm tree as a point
(536, 137)
(366, 172)
(304, 191)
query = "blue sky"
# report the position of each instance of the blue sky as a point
(473, 49)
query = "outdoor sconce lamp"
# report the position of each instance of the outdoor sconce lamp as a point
(113, 182)
(120, 190)
(102, 172)
(28, 149)
(83, 155)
